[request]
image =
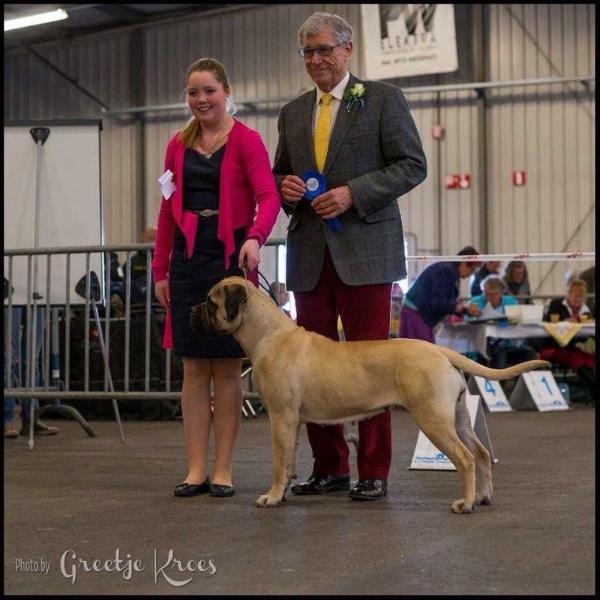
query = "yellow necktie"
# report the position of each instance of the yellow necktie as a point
(322, 131)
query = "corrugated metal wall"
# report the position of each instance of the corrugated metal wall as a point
(548, 132)
(259, 51)
(441, 221)
(100, 64)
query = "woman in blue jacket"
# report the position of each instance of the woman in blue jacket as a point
(434, 295)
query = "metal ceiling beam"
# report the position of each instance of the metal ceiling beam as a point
(153, 20)
(127, 15)
(483, 85)
(62, 74)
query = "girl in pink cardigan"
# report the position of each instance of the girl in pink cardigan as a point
(207, 229)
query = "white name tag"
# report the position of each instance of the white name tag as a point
(167, 187)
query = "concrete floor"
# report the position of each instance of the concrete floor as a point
(94, 496)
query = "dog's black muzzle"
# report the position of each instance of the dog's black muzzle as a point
(200, 320)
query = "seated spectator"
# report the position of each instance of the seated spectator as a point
(139, 266)
(589, 276)
(493, 299)
(433, 296)
(517, 281)
(492, 303)
(574, 309)
(490, 267)
(116, 274)
(117, 287)
(139, 258)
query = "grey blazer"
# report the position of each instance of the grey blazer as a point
(375, 150)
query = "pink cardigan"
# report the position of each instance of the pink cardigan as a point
(246, 181)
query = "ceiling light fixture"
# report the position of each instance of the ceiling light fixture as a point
(39, 19)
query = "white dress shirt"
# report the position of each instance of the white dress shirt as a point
(337, 92)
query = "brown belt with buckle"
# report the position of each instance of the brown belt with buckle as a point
(207, 212)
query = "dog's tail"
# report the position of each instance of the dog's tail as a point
(470, 366)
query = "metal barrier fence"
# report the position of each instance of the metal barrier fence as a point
(45, 310)
(44, 314)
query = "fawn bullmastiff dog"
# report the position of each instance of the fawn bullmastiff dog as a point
(304, 377)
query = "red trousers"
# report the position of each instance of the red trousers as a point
(365, 314)
(568, 357)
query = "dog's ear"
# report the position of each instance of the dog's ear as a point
(234, 296)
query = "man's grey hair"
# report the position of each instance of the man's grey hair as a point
(495, 282)
(341, 29)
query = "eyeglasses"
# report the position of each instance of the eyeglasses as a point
(322, 51)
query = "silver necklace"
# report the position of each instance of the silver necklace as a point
(211, 150)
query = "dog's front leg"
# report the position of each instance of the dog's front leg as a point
(293, 471)
(283, 434)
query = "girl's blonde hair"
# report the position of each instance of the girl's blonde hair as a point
(189, 133)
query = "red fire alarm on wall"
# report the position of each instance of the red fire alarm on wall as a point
(452, 182)
(464, 181)
(518, 178)
(458, 182)
(437, 132)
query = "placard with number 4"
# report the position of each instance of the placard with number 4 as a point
(492, 394)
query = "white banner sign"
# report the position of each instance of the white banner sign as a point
(402, 40)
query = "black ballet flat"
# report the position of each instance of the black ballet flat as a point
(192, 489)
(221, 491)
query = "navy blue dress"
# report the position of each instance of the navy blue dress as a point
(191, 279)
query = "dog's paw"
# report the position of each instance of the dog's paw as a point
(459, 507)
(266, 501)
(261, 501)
(483, 499)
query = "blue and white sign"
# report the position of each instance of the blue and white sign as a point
(493, 395)
(428, 457)
(544, 391)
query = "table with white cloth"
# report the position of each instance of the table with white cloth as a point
(472, 337)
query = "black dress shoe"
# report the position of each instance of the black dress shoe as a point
(369, 489)
(192, 489)
(321, 484)
(221, 491)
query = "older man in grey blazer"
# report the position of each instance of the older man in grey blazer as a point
(361, 137)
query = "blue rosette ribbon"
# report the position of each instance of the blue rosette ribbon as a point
(315, 186)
